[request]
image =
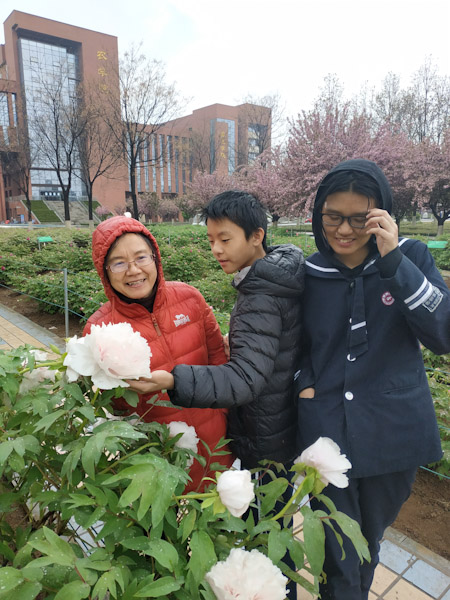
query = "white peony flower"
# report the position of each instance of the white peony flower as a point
(325, 456)
(34, 378)
(189, 439)
(247, 576)
(236, 491)
(109, 354)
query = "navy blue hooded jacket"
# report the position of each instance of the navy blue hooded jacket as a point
(362, 355)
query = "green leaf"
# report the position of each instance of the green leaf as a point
(9, 579)
(10, 385)
(352, 530)
(314, 539)
(46, 422)
(158, 588)
(277, 544)
(92, 451)
(6, 551)
(28, 590)
(87, 412)
(80, 500)
(104, 584)
(187, 524)
(130, 397)
(271, 492)
(203, 555)
(58, 551)
(5, 450)
(161, 550)
(75, 590)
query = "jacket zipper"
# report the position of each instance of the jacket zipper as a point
(156, 326)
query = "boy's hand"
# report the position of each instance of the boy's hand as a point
(160, 380)
(383, 227)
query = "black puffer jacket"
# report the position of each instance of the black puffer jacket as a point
(256, 384)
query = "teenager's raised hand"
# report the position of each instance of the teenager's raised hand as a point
(383, 227)
(160, 380)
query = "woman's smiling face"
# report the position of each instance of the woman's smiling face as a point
(135, 282)
(350, 244)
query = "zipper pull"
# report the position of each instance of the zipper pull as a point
(156, 326)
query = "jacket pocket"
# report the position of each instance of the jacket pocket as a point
(402, 380)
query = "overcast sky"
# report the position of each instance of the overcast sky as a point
(222, 50)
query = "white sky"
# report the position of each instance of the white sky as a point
(222, 50)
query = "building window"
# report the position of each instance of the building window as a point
(46, 68)
(4, 116)
(161, 161)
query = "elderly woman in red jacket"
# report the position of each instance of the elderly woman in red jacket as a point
(173, 317)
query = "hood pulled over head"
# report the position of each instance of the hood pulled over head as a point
(339, 179)
(106, 233)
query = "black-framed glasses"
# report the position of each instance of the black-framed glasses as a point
(122, 265)
(333, 220)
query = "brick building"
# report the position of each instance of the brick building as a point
(214, 137)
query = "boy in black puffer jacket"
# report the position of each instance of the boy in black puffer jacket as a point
(256, 385)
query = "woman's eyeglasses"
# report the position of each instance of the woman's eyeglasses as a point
(355, 221)
(122, 266)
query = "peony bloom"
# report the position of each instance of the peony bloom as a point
(189, 439)
(247, 576)
(325, 456)
(34, 378)
(109, 354)
(236, 491)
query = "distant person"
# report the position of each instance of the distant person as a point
(370, 298)
(172, 316)
(256, 385)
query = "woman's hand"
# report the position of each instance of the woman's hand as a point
(160, 380)
(226, 345)
(383, 227)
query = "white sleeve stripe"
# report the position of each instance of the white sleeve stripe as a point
(423, 299)
(359, 325)
(419, 291)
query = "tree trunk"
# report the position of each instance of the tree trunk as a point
(89, 193)
(133, 191)
(440, 229)
(66, 205)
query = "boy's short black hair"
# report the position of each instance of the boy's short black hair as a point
(242, 208)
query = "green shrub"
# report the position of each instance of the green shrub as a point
(442, 257)
(85, 291)
(12, 266)
(439, 386)
(65, 255)
(217, 291)
(184, 263)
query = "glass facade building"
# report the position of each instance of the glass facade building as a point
(49, 76)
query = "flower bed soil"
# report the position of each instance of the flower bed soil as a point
(425, 517)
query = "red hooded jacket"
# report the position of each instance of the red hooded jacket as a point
(181, 330)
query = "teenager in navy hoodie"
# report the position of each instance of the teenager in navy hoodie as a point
(370, 299)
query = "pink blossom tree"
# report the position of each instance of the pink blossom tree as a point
(205, 186)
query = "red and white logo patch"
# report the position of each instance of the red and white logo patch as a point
(387, 299)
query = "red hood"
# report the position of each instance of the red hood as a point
(104, 236)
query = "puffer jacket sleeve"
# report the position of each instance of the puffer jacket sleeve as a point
(254, 348)
(423, 297)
